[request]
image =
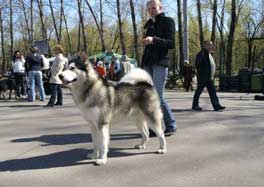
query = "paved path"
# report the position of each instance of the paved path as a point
(47, 147)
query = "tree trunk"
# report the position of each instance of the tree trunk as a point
(214, 21)
(54, 22)
(31, 22)
(201, 36)
(135, 30)
(41, 15)
(180, 34)
(66, 27)
(3, 68)
(222, 40)
(11, 28)
(61, 18)
(79, 37)
(82, 26)
(102, 27)
(97, 24)
(185, 33)
(229, 50)
(115, 39)
(26, 19)
(121, 35)
(250, 47)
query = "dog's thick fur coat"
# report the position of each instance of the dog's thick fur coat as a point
(100, 101)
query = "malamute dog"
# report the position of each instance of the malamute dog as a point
(100, 101)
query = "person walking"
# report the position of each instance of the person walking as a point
(205, 66)
(159, 37)
(55, 82)
(18, 65)
(33, 64)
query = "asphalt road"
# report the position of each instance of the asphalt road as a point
(47, 147)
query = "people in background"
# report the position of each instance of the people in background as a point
(205, 66)
(58, 64)
(18, 66)
(34, 64)
(126, 64)
(100, 68)
(116, 70)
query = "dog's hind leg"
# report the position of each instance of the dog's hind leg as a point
(142, 126)
(155, 123)
(94, 155)
(102, 143)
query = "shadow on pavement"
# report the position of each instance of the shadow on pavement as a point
(64, 139)
(72, 157)
(59, 159)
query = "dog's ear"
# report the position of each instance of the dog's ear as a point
(88, 65)
(78, 63)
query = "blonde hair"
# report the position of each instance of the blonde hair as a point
(58, 48)
(157, 2)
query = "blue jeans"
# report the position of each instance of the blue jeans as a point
(159, 76)
(56, 93)
(35, 78)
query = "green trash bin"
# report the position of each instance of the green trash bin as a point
(257, 82)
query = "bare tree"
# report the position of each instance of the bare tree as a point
(82, 25)
(134, 29)
(66, 27)
(99, 27)
(41, 15)
(121, 35)
(11, 28)
(180, 34)
(54, 22)
(254, 24)
(214, 5)
(201, 36)
(31, 22)
(222, 40)
(61, 18)
(102, 26)
(115, 37)
(26, 19)
(234, 18)
(3, 68)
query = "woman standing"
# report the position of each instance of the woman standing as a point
(159, 38)
(18, 65)
(55, 82)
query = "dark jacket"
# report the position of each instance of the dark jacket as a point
(202, 65)
(163, 33)
(34, 62)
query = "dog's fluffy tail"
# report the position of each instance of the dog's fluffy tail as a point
(137, 75)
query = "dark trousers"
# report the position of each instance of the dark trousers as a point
(56, 93)
(211, 90)
(20, 84)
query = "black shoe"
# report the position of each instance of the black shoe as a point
(58, 104)
(49, 105)
(197, 108)
(166, 133)
(169, 132)
(219, 108)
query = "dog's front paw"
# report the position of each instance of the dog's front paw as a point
(140, 146)
(162, 151)
(100, 162)
(92, 155)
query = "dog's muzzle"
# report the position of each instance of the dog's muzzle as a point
(65, 82)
